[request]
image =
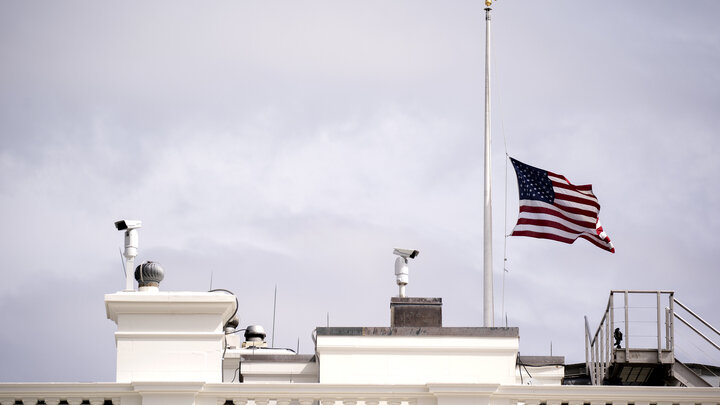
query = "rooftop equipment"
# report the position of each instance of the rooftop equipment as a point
(402, 274)
(149, 275)
(254, 336)
(130, 226)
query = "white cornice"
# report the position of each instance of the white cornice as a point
(168, 303)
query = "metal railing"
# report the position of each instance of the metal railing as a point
(693, 328)
(633, 323)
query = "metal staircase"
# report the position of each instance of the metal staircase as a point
(637, 345)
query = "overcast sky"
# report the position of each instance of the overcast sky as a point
(296, 143)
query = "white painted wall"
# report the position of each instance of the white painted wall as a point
(545, 375)
(417, 359)
(169, 336)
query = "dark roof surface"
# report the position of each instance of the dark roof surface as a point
(418, 331)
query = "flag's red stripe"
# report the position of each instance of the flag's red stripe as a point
(594, 241)
(579, 200)
(544, 223)
(606, 239)
(584, 187)
(576, 210)
(572, 190)
(549, 224)
(557, 175)
(587, 190)
(549, 211)
(575, 193)
(598, 243)
(543, 235)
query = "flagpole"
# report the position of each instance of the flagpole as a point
(488, 308)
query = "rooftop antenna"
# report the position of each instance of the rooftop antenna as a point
(122, 261)
(401, 267)
(130, 226)
(272, 341)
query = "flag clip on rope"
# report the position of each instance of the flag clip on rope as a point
(553, 208)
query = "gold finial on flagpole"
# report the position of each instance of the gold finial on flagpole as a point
(488, 3)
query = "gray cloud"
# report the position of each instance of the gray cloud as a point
(260, 143)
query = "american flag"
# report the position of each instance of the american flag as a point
(553, 208)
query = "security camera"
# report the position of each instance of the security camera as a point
(130, 226)
(402, 273)
(406, 253)
(126, 224)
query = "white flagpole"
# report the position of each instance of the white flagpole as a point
(488, 307)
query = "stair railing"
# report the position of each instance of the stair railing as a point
(599, 347)
(694, 329)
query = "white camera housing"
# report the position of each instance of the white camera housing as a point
(406, 253)
(402, 272)
(126, 224)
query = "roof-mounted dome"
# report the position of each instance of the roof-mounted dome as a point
(233, 322)
(255, 333)
(149, 274)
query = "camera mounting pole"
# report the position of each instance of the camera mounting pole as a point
(131, 245)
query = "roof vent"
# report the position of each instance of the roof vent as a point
(232, 324)
(149, 275)
(255, 336)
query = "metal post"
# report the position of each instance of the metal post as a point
(597, 362)
(130, 273)
(488, 309)
(627, 330)
(272, 341)
(600, 348)
(659, 330)
(668, 315)
(672, 324)
(612, 321)
(587, 351)
(604, 351)
(608, 341)
(131, 246)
